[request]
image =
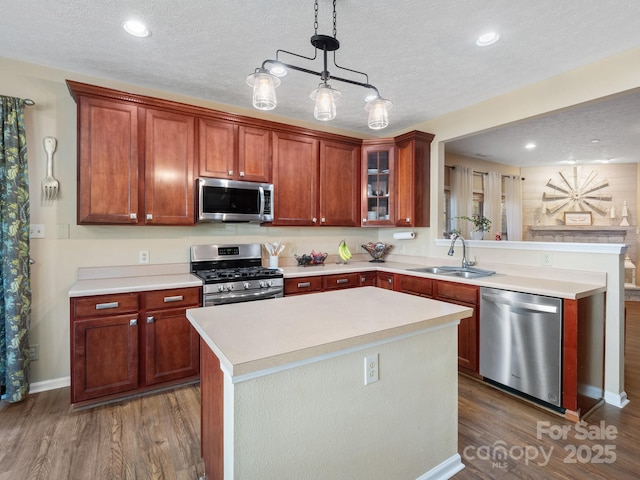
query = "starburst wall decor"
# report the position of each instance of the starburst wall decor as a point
(576, 191)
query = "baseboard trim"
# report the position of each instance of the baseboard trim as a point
(619, 400)
(46, 385)
(446, 469)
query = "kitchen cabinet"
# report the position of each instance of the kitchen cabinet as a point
(107, 161)
(378, 197)
(412, 181)
(129, 343)
(316, 181)
(135, 162)
(396, 181)
(320, 283)
(467, 296)
(367, 279)
(419, 286)
(385, 280)
(169, 157)
(232, 151)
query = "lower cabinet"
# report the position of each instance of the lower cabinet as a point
(132, 342)
(384, 280)
(321, 283)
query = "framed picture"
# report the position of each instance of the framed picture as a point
(577, 219)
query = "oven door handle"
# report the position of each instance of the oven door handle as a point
(244, 297)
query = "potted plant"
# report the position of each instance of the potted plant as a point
(481, 224)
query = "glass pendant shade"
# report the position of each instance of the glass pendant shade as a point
(378, 113)
(264, 89)
(325, 98)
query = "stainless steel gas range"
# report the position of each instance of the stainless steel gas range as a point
(234, 273)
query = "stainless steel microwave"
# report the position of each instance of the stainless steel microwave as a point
(222, 200)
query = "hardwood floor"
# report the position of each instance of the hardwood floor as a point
(152, 437)
(158, 436)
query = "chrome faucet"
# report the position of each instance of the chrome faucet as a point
(465, 263)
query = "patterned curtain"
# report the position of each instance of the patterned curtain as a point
(15, 285)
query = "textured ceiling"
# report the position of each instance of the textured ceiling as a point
(420, 54)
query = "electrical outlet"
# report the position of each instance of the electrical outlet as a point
(36, 230)
(546, 259)
(371, 373)
(33, 352)
(143, 256)
(62, 230)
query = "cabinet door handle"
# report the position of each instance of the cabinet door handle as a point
(314, 220)
(133, 322)
(103, 306)
(390, 281)
(242, 174)
(150, 319)
(364, 220)
(177, 298)
(133, 216)
(149, 216)
(230, 172)
(342, 280)
(304, 284)
(322, 220)
(363, 279)
(408, 220)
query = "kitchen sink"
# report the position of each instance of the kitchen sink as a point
(461, 272)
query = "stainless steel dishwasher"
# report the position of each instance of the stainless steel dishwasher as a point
(521, 343)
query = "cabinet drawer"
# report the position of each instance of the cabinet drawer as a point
(367, 279)
(173, 298)
(414, 285)
(385, 280)
(347, 280)
(102, 305)
(295, 286)
(457, 291)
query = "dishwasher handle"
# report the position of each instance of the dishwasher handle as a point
(490, 297)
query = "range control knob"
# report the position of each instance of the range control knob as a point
(221, 288)
(246, 285)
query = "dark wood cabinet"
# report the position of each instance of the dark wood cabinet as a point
(132, 342)
(412, 179)
(135, 163)
(339, 203)
(367, 279)
(385, 280)
(232, 151)
(107, 161)
(295, 178)
(169, 157)
(316, 181)
(468, 330)
(422, 287)
(378, 197)
(302, 285)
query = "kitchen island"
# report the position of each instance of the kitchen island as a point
(284, 395)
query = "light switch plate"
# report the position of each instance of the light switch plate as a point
(36, 230)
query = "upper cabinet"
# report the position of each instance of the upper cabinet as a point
(236, 152)
(378, 172)
(169, 157)
(135, 163)
(107, 161)
(316, 181)
(413, 179)
(396, 181)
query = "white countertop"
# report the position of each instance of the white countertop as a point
(104, 286)
(255, 336)
(562, 284)
(517, 279)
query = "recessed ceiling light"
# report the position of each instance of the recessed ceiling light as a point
(136, 28)
(530, 146)
(595, 140)
(487, 39)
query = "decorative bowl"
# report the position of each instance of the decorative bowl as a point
(315, 258)
(377, 250)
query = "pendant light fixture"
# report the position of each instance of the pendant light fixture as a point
(266, 79)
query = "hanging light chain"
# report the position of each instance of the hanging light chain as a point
(315, 12)
(335, 21)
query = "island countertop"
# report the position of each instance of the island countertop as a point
(258, 336)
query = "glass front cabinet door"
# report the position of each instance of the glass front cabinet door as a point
(378, 180)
